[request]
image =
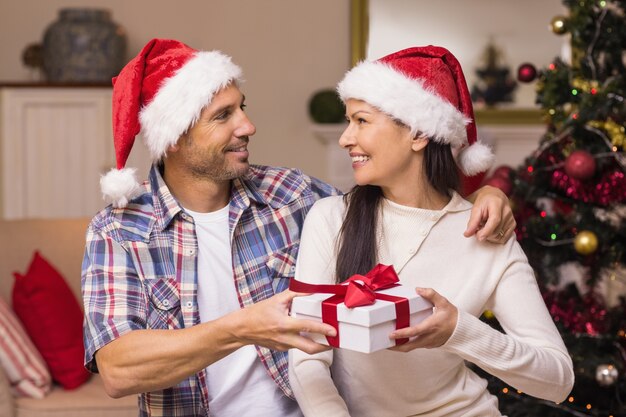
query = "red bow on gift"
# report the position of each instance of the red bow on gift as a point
(361, 288)
(356, 291)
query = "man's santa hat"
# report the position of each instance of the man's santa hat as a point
(424, 88)
(160, 93)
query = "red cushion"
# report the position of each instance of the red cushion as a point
(53, 319)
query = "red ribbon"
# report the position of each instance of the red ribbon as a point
(359, 291)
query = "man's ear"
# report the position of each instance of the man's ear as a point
(419, 142)
(175, 147)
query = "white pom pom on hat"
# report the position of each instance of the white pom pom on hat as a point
(475, 159)
(120, 186)
(160, 93)
(423, 87)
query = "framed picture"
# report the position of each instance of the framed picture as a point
(520, 30)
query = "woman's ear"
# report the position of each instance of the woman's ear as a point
(419, 142)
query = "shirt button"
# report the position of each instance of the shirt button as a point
(424, 232)
(166, 303)
(434, 217)
(293, 269)
(189, 304)
(412, 250)
(192, 251)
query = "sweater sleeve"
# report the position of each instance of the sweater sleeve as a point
(309, 375)
(313, 386)
(530, 355)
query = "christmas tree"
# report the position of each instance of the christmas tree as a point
(569, 198)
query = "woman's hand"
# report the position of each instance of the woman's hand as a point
(492, 217)
(432, 332)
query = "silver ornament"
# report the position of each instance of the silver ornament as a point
(606, 375)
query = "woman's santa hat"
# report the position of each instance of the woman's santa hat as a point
(424, 88)
(160, 93)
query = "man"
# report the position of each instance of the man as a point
(185, 276)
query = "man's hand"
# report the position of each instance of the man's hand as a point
(432, 332)
(491, 218)
(267, 323)
(150, 359)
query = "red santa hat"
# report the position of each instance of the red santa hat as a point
(160, 93)
(424, 88)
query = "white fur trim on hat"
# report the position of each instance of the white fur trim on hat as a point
(475, 159)
(119, 186)
(179, 101)
(407, 100)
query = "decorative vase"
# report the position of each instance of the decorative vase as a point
(325, 106)
(83, 46)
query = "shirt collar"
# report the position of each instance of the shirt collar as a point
(243, 191)
(267, 186)
(165, 205)
(457, 203)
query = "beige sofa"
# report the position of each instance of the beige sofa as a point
(62, 242)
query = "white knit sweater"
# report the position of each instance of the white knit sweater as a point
(427, 249)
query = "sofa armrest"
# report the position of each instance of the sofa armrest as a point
(7, 406)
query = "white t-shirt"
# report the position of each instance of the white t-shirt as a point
(238, 384)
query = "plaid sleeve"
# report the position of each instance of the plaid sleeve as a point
(113, 296)
(320, 189)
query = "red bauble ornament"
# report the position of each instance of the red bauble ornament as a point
(503, 171)
(526, 73)
(562, 207)
(580, 165)
(502, 183)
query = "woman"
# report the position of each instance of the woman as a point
(407, 113)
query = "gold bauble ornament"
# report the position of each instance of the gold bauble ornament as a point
(488, 314)
(586, 242)
(558, 25)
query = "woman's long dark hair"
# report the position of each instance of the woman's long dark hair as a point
(357, 244)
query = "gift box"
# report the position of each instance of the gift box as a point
(363, 328)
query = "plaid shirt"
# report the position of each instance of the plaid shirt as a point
(140, 268)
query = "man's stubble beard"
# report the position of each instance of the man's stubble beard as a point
(216, 173)
(214, 167)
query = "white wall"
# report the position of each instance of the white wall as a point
(519, 28)
(287, 48)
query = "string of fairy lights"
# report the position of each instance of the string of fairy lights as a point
(571, 409)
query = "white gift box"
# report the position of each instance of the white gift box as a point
(367, 328)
